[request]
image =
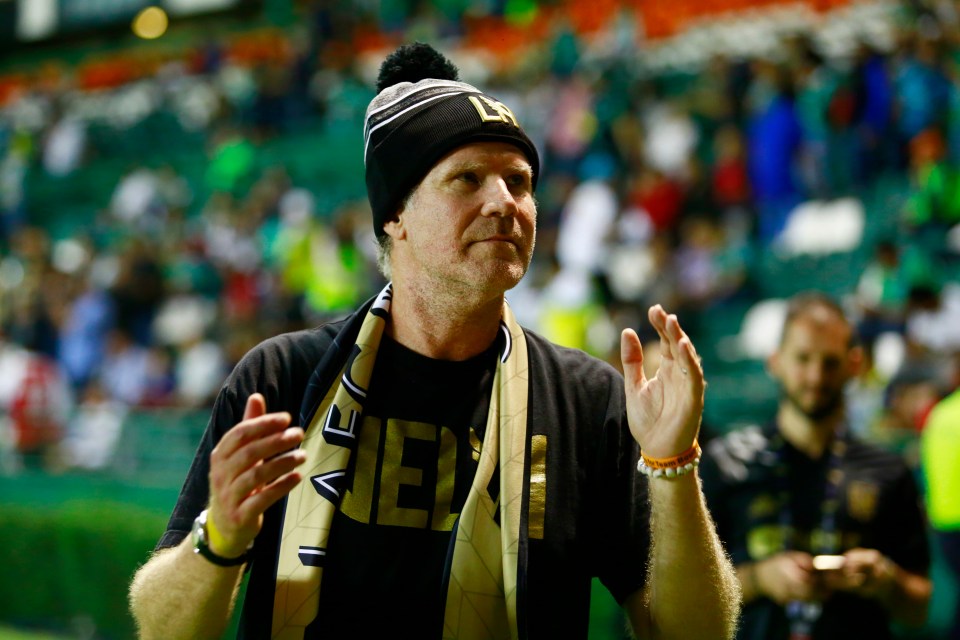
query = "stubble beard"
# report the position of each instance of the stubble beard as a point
(505, 274)
(824, 409)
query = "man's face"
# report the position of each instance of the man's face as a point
(470, 223)
(814, 362)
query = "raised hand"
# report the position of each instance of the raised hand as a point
(664, 412)
(250, 468)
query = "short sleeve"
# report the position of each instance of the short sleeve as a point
(622, 542)
(904, 538)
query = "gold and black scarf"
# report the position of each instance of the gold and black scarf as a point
(481, 599)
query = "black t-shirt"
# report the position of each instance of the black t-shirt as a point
(879, 508)
(387, 549)
(594, 509)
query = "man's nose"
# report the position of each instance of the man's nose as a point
(498, 200)
(816, 374)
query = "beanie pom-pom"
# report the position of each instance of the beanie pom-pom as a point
(415, 62)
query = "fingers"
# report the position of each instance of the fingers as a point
(250, 469)
(867, 571)
(658, 318)
(256, 406)
(261, 462)
(690, 363)
(675, 344)
(631, 355)
(251, 429)
(669, 330)
(263, 499)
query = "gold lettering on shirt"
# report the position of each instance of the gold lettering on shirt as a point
(442, 519)
(499, 112)
(393, 474)
(862, 500)
(538, 487)
(358, 501)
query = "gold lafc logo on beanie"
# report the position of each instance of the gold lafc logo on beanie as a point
(501, 112)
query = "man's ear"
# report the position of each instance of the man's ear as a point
(856, 361)
(773, 364)
(395, 227)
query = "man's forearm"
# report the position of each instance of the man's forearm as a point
(692, 588)
(179, 594)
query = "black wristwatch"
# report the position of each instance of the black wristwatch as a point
(201, 546)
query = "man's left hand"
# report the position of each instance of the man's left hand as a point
(865, 572)
(664, 412)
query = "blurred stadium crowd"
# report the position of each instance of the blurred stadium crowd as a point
(160, 213)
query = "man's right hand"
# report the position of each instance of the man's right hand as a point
(788, 576)
(250, 469)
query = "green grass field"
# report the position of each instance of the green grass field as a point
(9, 633)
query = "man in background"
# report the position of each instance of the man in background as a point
(826, 531)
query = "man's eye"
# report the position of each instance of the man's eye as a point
(518, 180)
(470, 177)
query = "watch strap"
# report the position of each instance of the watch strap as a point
(205, 551)
(202, 547)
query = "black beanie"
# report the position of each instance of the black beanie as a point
(421, 113)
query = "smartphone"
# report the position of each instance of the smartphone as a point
(828, 563)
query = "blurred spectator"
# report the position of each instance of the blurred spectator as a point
(232, 158)
(35, 403)
(200, 370)
(933, 318)
(571, 126)
(15, 149)
(643, 273)
(230, 235)
(774, 137)
(865, 396)
(952, 129)
(127, 369)
(730, 183)
(881, 293)
(321, 268)
(138, 290)
(657, 197)
(571, 313)
(588, 217)
(35, 292)
(936, 201)
(816, 85)
(94, 430)
(920, 87)
(708, 269)
(65, 145)
(671, 137)
(874, 96)
(83, 335)
(908, 399)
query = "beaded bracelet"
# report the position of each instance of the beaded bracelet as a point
(671, 467)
